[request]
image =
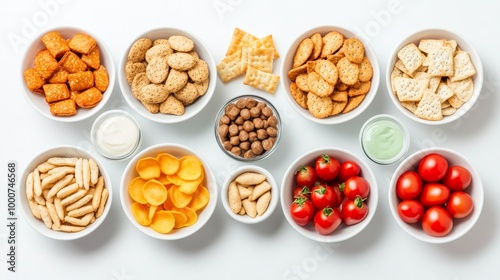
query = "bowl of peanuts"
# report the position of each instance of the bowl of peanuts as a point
(167, 75)
(65, 192)
(248, 128)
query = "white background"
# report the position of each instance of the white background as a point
(272, 250)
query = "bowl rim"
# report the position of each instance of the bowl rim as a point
(260, 157)
(369, 52)
(110, 68)
(274, 197)
(202, 101)
(412, 161)
(184, 232)
(28, 216)
(373, 198)
(435, 34)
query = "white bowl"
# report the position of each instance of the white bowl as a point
(274, 194)
(176, 150)
(37, 101)
(62, 151)
(343, 232)
(287, 66)
(475, 190)
(437, 34)
(191, 110)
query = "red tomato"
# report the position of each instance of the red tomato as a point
(457, 178)
(339, 193)
(410, 211)
(306, 176)
(434, 194)
(437, 221)
(327, 168)
(304, 191)
(460, 204)
(356, 186)
(354, 211)
(348, 169)
(323, 196)
(432, 167)
(327, 220)
(409, 185)
(302, 211)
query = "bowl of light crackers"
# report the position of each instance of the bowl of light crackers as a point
(330, 74)
(434, 76)
(167, 75)
(65, 193)
(68, 74)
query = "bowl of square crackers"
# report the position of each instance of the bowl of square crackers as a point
(68, 74)
(331, 74)
(167, 75)
(434, 76)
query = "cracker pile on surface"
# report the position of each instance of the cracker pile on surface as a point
(433, 79)
(166, 74)
(253, 57)
(330, 74)
(68, 72)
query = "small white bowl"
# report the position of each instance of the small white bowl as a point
(274, 194)
(343, 232)
(475, 190)
(37, 101)
(191, 110)
(287, 66)
(176, 150)
(437, 34)
(62, 151)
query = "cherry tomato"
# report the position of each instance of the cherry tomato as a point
(348, 169)
(323, 196)
(410, 211)
(432, 167)
(356, 186)
(304, 191)
(437, 221)
(354, 211)
(434, 194)
(460, 204)
(339, 193)
(409, 185)
(306, 176)
(302, 211)
(457, 178)
(327, 168)
(327, 220)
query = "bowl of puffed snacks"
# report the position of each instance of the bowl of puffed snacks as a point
(167, 75)
(331, 74)
(434, 76)
(65, 192)
(68, 74)
(168, 191)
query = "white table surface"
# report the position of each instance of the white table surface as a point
(272, 250)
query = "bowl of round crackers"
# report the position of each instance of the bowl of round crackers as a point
(434, 76)
(167, 75)
(67, 73)
(65, 192)
(331, 74)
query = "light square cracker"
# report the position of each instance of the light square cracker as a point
(264, 43)
(463, 89)
(261, 59)
(240, 38)
(434, 83)
(231, 67)
(411, 57)
(441, 62)
(410, 105)
(427, 45)
(261, 80)
(408, 89)
(455, 102)
(463, 67)
(444, 92)
(429, 108)
(401, 66)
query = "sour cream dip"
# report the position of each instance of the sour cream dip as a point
(116, 134)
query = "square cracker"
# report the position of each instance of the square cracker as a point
(231, 67)
(441, 61)
(408, 89)
(462, 66)
(401, 67)
(264, 43)
(463, 89)
(261, 80)
(444, 92)
(240, 38)
(261, 59)
(411, 57)
(427, 45)
(429, 108)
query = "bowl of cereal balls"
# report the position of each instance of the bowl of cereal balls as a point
(248, 128)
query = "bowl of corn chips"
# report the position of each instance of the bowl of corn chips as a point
(67, 74)
(434, 76)
(65, 192)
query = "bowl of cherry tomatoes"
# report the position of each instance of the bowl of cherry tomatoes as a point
(436, 195)
(329, 194)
